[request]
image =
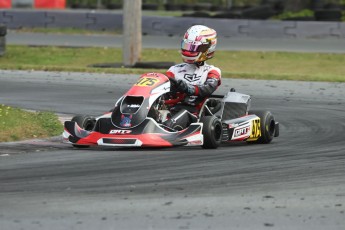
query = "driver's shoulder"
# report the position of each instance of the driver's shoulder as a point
(212, 68)
(181, 65)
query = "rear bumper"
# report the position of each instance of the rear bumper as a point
(276, 129)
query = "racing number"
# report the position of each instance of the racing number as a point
(146, 81)
(256, 129)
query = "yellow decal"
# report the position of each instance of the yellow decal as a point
(147, 81)
(256, 130)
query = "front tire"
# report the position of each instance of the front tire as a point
(212, 131)
(267, 126)
(85, 122)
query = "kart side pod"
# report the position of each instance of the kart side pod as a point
(239, 123)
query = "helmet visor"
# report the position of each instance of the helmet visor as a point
(189, 54)
(194, 46)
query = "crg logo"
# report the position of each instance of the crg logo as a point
(192, 77)
(241, 131)
(119, 131)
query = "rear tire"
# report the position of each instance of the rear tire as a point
(212, 131)
(85, 122)
(267, 126)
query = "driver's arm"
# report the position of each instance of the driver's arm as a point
(203, 90)
(211, 84)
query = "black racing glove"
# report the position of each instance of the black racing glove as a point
(183, 86)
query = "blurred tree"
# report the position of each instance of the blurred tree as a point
(229, 4)
(315, 4)
(297, 5)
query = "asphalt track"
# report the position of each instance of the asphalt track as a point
(296, 182)
(326, 45)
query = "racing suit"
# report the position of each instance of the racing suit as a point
(197, 82)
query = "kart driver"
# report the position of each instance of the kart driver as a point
(194, 78)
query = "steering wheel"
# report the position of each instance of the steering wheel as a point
(174, 96)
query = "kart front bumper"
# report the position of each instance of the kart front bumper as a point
(73, 134)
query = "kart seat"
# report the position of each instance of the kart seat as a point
(213, 106)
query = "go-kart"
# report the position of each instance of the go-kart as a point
(138, 119)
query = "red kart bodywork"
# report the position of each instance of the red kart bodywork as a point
(139, 115)
(130, 124)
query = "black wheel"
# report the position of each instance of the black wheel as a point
(212, 131)
(267, 126)
(85, 122)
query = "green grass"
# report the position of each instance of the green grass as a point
(234, 64)
(17, 124)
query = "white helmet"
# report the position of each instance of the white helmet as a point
(198, 44)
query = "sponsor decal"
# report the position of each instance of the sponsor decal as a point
(256, 129)
(119, 131)
(241, 131)
(126, 120)
(133, 106)
(192, 77)
(147, 81)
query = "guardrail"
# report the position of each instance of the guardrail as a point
(172, 26)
